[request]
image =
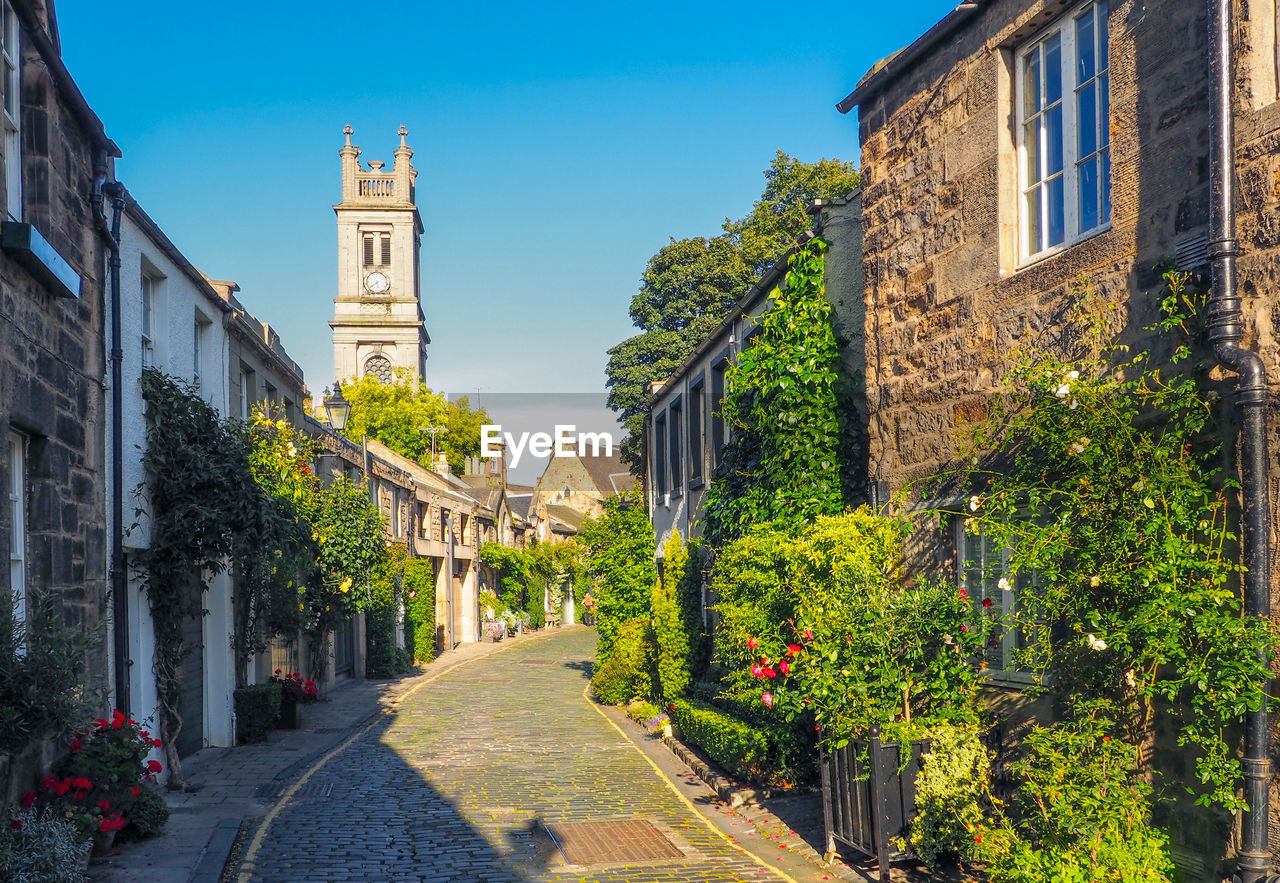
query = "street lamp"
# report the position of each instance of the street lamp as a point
(338, 408)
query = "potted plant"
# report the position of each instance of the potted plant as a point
(293, 692)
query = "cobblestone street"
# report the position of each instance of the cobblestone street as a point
(459, 782)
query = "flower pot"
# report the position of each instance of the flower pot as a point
(869, 797)
(290, 714)
(102, 843)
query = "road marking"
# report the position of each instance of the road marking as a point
(676, 791)
(246, 876)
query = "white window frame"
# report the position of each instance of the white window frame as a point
(18, 523)
(1064, 27)
(979, 569)
(149, 286)
(11, 112)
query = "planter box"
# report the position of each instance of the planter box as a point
(290, 715)
(869, 797)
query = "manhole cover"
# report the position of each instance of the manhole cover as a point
(314, 788)
(612, 842)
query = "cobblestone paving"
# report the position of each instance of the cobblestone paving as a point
(458, 783)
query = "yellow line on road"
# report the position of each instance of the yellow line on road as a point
(686, 801)
(245, 876)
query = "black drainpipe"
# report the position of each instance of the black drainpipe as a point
(1225, 333)
(119, 583)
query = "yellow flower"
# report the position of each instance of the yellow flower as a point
(326, 608)
(302, 606)
(346, 585)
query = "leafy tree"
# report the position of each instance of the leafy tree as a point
(393, 413)
(690, 284)
(671, 632)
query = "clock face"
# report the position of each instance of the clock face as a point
(377, 282)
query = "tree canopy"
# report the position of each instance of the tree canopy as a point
(393, 413)
(688, 287)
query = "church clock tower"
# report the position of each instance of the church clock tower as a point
(378, 324)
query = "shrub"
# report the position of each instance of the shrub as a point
(620, 557)
(670, 631)
(257, 709)
(642, 710)
(419, 587)
(1081, 811)
(146, 817)
(384, 657)
(734, 744)
(40, 846)
(627, 673)
(112, 755)
(952, 781)
(534, 608)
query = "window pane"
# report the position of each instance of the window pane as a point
(1056, 215)
(1085, 68)
(1104, 110)
(1035, 242)
(1087, 120)
(1103, 53)
(1106, 183)
(1053, 69)
(1088, 187)
(1031, 83)
(1053, 140)
(1031, 150)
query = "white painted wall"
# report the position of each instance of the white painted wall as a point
(177, 303)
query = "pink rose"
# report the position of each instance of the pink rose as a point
(767, 699)
(784, 667)
(770, 673)
(757, 671)
(808, 634)
(752, 643)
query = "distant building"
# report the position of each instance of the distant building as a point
(378, 325)
(572, 489)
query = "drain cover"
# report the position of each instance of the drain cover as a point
(620, 841)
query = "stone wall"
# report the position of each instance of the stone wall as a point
(52, 370)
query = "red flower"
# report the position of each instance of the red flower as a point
(104, 805)
(134, 791)
(153, 766)
(155, 743)
(808, 634)
(76, 746)
(99, 722)
(793, 649)
(964, 628)
(752, 643)
(977, 838)
(986, 602)
(770, 673)
(757, 671)
(80, 795)
(277, 671)
(28, 799)
(964, 594)
(767, 699)
(15, 824)
(82, 782)
(784, 667)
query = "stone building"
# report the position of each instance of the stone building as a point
(572, 489)
(56, 160)
(1016, 148)
(378, 326)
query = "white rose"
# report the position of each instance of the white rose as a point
(1096, 643)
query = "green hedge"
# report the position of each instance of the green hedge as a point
(419, 587)
(257, 709)
(735, 745)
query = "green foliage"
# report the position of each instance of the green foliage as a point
(643, 712)
(1081, 813)
(1097, 477)
(949, 789)
(670, 625)
(202, 495)
(619, 552)
(690, 284)
(393, 412)
(531, 579)
(147, 817)
(733, 744)
(628, 671)
(786, 458)
(40, 846)
(383, 659)
(42, 673)
(781, 214)
(419, 586)
(820, 625)
(257, 708)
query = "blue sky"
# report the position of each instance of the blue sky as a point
(558, 145)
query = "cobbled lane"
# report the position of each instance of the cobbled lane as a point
(459, 781)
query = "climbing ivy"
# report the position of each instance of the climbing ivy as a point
(786, 457)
